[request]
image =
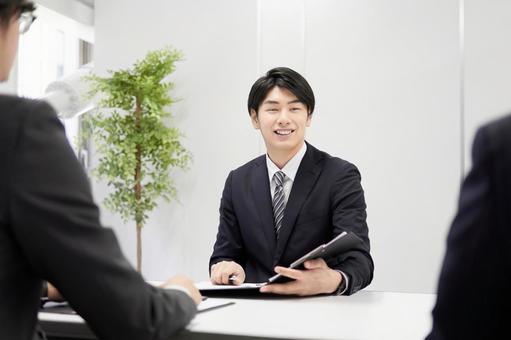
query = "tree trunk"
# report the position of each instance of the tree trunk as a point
(139, 247)
(138, 188)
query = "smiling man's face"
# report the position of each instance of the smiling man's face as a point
(282, 119)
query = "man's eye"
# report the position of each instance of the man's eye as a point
(294, 109)
(272, 110)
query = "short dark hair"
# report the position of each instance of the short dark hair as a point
(282, 77)
(9, 8)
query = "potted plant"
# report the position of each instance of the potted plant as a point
(134, 136)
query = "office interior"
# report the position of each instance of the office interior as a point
(400, 86)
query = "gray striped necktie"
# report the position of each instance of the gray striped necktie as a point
(279, 201)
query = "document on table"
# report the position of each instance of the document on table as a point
(64, 308)
(208, 286)
(206, 304)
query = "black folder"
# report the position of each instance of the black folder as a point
(338, 245)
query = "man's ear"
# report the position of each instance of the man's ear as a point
(309, 120)
(254, 118)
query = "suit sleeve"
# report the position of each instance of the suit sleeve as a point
(57, 226)
(349, 214)
(229, 243)
(472, 281)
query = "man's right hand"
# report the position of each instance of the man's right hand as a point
(221, 271)
(186, 283)
(53, 293)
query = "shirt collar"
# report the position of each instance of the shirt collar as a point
(291, 167)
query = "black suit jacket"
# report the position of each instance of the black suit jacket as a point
(325, 200)
(474, 291)
(49, 229)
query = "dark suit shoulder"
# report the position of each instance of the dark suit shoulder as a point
(314, 155)
(499, 133)
(13, 107)
(256, 162)
(16, 110)
(338, 162)
(8, 103)
(16, 114)
(329, 162)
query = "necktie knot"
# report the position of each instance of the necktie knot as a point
(278, 177)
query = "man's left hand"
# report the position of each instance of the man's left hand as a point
(316, 278)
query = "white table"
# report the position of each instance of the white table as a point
(365, 315)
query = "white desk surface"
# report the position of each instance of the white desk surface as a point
(365, 315)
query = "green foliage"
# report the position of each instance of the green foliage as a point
(137, 149)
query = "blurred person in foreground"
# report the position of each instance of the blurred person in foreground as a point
(474, 294)
(50, 229)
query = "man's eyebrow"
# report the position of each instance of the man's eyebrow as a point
(270, 102)
(295, 101)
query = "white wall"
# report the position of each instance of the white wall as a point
(487, 65)
(387, 87)
(386, 79)
(219, 40)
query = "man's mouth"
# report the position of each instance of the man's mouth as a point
(284, 132)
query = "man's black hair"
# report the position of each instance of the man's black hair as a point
(285, 78)
(9, 8)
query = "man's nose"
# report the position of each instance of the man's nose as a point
(283, 117)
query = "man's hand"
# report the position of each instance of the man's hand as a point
(221, 271)
(185, 282)
(53, 293)
(317, 278)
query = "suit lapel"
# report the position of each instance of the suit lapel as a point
(260, 187)
(306, 176)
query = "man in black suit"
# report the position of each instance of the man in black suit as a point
(50, 229)
(283, 204)
(474, 296)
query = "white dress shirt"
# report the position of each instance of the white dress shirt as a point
(289, 170)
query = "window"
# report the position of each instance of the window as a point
(55, 46)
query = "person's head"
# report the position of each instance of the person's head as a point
(15, 18)
(284, 78)
(281, 104)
